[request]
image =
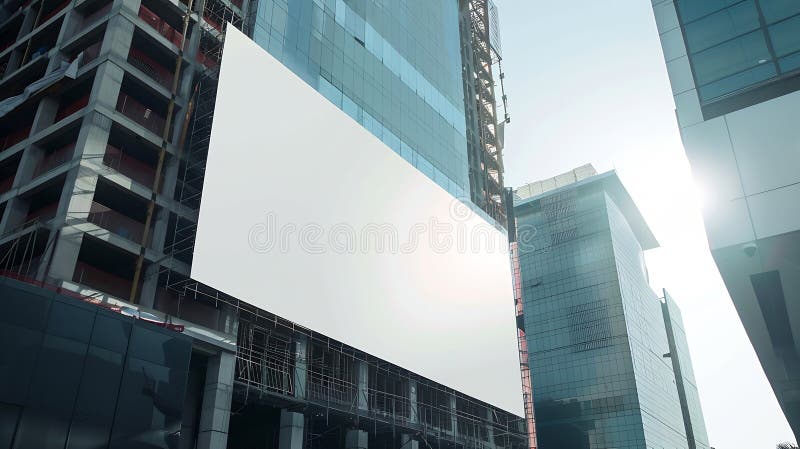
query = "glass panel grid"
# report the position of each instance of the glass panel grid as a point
(737, 44)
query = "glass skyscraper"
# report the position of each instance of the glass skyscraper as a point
(395, 67)
(734, 67)
(596, 335)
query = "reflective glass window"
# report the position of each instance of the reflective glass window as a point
(9, 416)
(161, 348)
(70, 321)
(775, 10)
(46, 416)
(111, 332)
(731, 57)
(86, 348)
(150, 405)
(790, 63)
(721, 26)
(786, 36)
(694, 9)
(734, 45)
(19, 347)
(735, 82)
(97, 397)
(24, 309)
(397, 75)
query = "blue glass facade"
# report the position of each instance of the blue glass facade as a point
(76, 376)
(393, 66)
(735, 44)
(596, 337)
(659, 404)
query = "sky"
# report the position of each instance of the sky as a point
(586, 83)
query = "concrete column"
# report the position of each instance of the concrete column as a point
(117, 42)
(15, 60)
(147, 294)
(407, 442)
(31, 157)
(45, 114)
(217, 394)
(413, 411)
(76, 200)
(291, 431)
(71, 25)
(300, 366)
(356, 439)
(130, 5)
(27, 22)
(169, 180)
(363, 385)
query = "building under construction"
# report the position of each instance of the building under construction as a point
(482, 55)
(105, 119)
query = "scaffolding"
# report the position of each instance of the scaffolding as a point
(481, 52)
(281, 363)
(525, 370)
(216, 15)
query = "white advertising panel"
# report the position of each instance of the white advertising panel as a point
(310, 217)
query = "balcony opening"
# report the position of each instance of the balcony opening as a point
(43, 201)
(50, 8)
(119, 211)
(131, 156)
(10, 31)
(168, 28)
(104, 267)
(20, 79)
(143, 106)
(88, 44)
(4, 61)
(43, 40)
(93, 11)
(8, 171)
(153, 60)
(73, 100)
(16, 126)
(169, 13)
(56, 151)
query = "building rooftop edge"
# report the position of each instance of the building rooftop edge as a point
(614, 187)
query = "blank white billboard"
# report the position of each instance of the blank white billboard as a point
(310, 217)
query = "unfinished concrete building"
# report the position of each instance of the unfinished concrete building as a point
(105, 118)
